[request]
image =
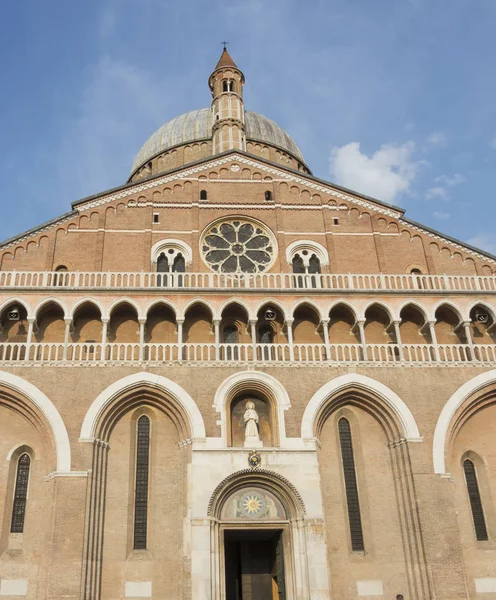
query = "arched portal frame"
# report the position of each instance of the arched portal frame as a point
(51, 414)
(306, 572)
(470, 388)
(174, 244)
(178, 394)
(252, 381)
(352, 380)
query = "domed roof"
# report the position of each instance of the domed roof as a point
(197, 125)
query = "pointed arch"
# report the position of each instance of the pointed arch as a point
(349, 305)
(484, 305)
(420, 307)
(273, 302)
(380, 304)
(401, 411)
(235, 300)
(470, 388)
(15, 300)
(456, 309)
(84, 301)
(310, 303)
(49, 411)
(201, 302)
(46, 302)
(123, 301)
(113, 391)
(158, 302)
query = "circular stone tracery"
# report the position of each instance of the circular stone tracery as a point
(237, 246)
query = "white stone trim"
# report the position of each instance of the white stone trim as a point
(138, 589)
(52, 415)
(370, 587)
(158, 302)
(381, 304)
(312, 304)
(177, 245)
(485, 585)
(401, 410)
(273, 302)
(173, 389)
(313, 248)
(457, 399)
(13, 587)
(245, 377)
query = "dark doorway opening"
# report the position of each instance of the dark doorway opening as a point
(254, 562)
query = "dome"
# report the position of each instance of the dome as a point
(197, 125)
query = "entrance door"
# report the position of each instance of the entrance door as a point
(254, 565)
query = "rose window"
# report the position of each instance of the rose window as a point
(237, 247)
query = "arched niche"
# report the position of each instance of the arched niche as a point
(235, 391)
(266, 414)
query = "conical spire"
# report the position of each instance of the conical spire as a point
(225, 61)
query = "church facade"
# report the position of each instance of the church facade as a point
(230, 380)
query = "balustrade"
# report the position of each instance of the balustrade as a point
(349, 282)
(89, 352)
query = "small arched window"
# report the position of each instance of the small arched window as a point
(227, 85)
(268, 195)
(230, 334)
(314, 264)
(298, 266)
(20, 494)
(203, 194)
(475, 500)
(162, 264)
(179, 265)
(141, 483)
(351, 487)
(265, 335)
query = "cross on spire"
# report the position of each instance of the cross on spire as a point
(225, 45)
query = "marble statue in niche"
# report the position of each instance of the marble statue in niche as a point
(252, 437)
(238, 425)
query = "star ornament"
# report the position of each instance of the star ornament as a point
(252, 505)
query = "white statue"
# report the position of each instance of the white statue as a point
(252, 437)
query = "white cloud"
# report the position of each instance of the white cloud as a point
(455, 179)
(441, 215)
(385, 174)
(437, 192)
(438, 139)
(484, 241)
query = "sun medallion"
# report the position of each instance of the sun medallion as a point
(252, 504)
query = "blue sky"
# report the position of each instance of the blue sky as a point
(394, 98)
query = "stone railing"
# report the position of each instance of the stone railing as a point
(387, 354)
(73, 280)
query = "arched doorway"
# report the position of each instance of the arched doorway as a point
(258, 545)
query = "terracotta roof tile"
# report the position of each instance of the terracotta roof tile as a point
(225, 61)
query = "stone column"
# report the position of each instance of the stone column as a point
(289, 329)
(217, 339)
(142, 323)
(361, 330)
(432, 331)
(31, 322)
(179, 323)
(325, 327)
(468, 336)
(105, 323)
(253, 330)
(397, 335)
(68, 323)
